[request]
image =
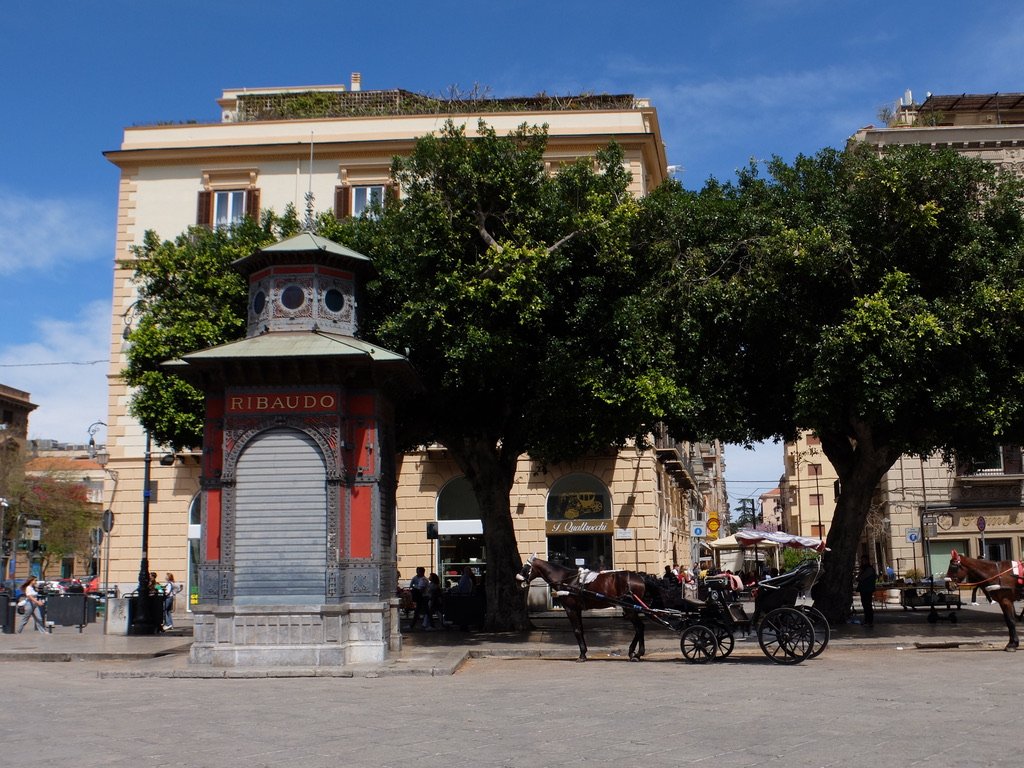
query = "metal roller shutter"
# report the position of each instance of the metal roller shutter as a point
(281, 520)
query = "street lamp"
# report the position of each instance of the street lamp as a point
(147, 610)
(92, 430)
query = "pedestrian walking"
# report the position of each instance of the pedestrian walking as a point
(171, 590)
(33, 606)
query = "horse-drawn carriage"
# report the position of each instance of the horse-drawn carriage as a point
(787, 633)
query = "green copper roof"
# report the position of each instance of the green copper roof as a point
(304, 244)
(285, 344)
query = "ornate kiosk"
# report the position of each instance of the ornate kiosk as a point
(298, 561)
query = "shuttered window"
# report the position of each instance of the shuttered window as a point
(226, 207)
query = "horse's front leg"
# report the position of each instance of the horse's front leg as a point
(636, 648)
(576, 620)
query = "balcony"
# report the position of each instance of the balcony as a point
(994, 480)
(675, 457)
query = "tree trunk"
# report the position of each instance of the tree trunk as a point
(491, 472)
(860, 465)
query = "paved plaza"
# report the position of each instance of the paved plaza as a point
(874, 698)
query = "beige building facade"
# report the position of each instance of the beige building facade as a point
(279, 146)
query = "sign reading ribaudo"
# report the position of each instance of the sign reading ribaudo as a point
(270, 402)
(579, 527)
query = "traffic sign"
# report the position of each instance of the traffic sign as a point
(981, 523)
(913, 535)
(698, 532)
(713, 524)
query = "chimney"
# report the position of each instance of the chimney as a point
(356, 84)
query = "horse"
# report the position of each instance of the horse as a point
(996, 578)
(576, 590)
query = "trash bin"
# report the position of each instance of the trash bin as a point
(8, 612)
(145, 614)
(66, 610)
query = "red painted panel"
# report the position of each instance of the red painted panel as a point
(362, 405)
(335, 273)
(364, 457)
(213, 525)
(361, 521)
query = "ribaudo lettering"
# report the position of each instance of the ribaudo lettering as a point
(265, 403)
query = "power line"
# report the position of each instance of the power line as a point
(63, 362)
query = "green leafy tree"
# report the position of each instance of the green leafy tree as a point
(519, 301)
(190, 298)
(60, 503)
(875, 299)
(62, 506)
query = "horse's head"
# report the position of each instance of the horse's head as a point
(957, 570)
(527, 573)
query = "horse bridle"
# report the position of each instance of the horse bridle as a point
(955, 560)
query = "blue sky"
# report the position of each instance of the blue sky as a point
(731, 81)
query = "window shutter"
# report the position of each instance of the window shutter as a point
(252, 204)
(342, 202)
(1012, 464)
(204, 210)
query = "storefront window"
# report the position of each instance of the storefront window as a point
(460, 540)
(579, 523)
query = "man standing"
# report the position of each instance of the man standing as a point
(866, 587)
(419, 586)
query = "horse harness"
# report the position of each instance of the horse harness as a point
(1016, 568)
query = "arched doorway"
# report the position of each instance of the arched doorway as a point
(460, 540)
(280, 520)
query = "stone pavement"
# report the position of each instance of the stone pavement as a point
(443, 652)
(860, 704)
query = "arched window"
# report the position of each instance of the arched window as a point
(456, 501)
(578, 496)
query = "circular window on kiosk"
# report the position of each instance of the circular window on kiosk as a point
(334, 300)
(293, 297)
(259, 302)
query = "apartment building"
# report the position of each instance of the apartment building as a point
(333, 145)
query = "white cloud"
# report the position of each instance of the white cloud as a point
(52, 369)
(42, 233)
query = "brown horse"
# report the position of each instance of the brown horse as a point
(607, 588)
(998, 581)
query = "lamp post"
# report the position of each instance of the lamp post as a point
(3, 541)
(817, 496)
(146, 612)
(92, 429)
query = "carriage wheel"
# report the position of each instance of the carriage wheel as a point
(822, 631)
(786, 636)
(698, 644)
(726, 640)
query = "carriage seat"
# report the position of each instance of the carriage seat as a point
(794, 578)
